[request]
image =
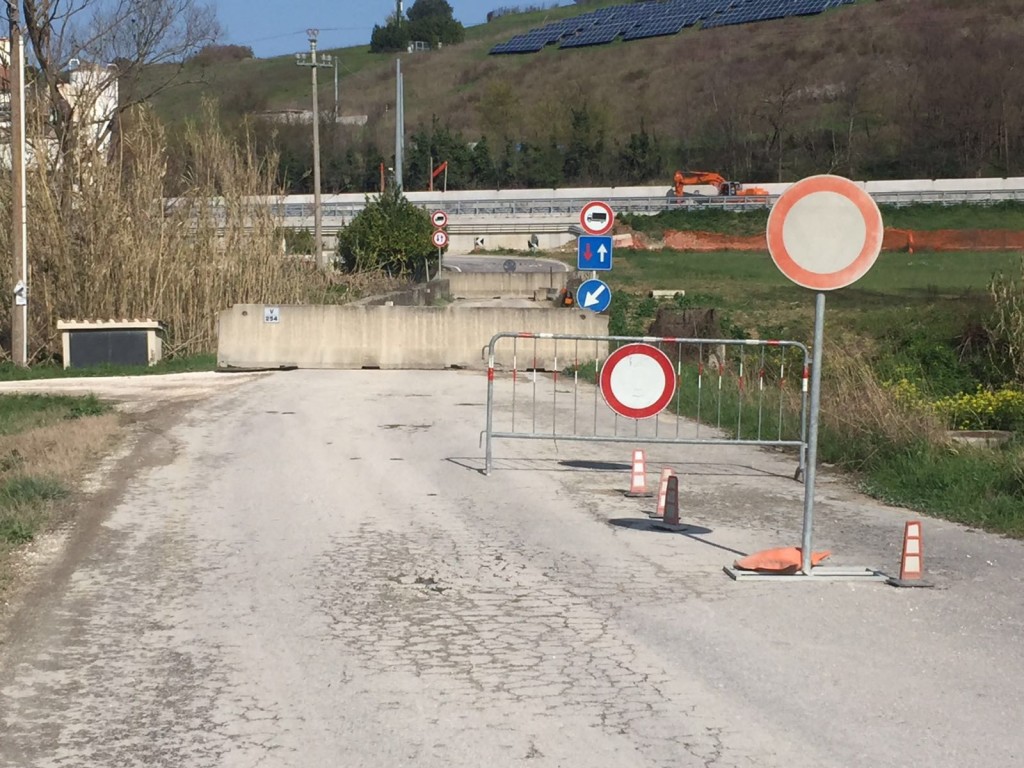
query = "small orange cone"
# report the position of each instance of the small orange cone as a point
(638, 476)
(666, 473)
(912, 559)
(670, 519)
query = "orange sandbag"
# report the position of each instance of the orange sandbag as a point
(782, 560)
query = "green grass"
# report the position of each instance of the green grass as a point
(925, 217)
(21, 500)
(977, 487)
(10, 372)
(22, 412)
(25, 494)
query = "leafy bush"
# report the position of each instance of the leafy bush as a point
(390, 235)
(392, 37)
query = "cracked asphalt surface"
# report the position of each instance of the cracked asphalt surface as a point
(309, 569)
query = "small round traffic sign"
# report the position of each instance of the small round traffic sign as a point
(638, 381)
(597, 218)
(440, 238)
(439, 218)
(825, 232)
(594, 294)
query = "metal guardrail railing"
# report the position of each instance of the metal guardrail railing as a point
(337, 214)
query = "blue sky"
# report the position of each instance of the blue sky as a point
(274, 28)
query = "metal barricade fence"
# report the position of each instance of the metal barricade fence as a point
(543, 386)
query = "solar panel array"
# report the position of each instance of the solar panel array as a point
(656, 18)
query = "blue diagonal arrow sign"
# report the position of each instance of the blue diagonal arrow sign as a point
(594, 295)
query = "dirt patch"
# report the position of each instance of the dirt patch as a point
(894, 240)
(95, 457)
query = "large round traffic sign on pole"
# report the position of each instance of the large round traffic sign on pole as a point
(440, 238)
(638, 381)
(824, 232)
(597, 218)
(439, 218)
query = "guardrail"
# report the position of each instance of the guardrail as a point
(338, 214)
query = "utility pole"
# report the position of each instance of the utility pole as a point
(399, 123)
(336, 113)
(313, 62)
(19, 229)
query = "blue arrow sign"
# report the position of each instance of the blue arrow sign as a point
(595, 295)
(594, 252)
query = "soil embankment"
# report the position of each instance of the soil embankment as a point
(894, 240)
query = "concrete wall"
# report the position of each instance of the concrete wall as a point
(419, 295)
(517, 285)
(397, 337)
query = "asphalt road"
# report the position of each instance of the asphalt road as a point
(475, 263)
(308, 569)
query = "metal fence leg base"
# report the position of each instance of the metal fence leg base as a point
(821, 573)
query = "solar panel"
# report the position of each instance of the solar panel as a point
(656, 18)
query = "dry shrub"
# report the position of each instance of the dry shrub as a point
(105, 243)
(59, 451)
(858, 409)
(1007, 328)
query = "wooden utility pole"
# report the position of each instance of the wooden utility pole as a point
(16, 74)
(313, 61)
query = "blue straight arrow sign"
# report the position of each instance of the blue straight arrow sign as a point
(594, 253)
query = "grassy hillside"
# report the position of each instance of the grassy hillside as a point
(877, 89)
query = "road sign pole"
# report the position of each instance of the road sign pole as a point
(812, 432)
(440, 256)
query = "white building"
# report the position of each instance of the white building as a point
(90, 90)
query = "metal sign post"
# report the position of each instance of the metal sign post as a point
(812, 432)
(824, 233)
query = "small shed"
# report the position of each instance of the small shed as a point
(111, 342)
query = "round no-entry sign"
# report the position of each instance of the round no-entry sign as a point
(825, 232)
(638, 381)
(597, 218)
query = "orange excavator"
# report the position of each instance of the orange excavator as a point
(726, 188)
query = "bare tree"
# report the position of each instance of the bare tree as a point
(126, 35)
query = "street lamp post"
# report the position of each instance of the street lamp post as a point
(313, 61)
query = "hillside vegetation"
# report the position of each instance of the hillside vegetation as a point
(894, 89)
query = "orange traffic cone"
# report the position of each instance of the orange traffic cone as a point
(638, 476)
(666, 473)
(912, 559)
(670, 519)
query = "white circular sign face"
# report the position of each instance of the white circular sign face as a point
(597, 218)
(815, 248)
(638, 381)
(440, 218)
(825, 232)
(440, 238)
